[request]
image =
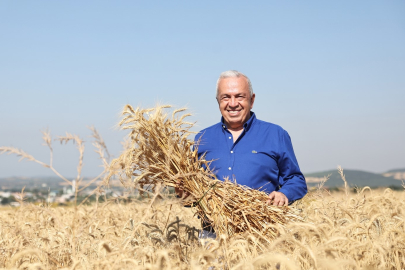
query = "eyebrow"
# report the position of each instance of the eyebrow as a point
(237, 94)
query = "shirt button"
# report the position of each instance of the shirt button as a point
(231, 152)
(230, 168)
(230, 137)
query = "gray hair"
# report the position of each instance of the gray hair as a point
(234, 74)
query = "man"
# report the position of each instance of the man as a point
(255, 153)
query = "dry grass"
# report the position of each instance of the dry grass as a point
(358, 231)
(160, 153)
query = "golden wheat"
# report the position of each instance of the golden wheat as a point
(359, 231)
(160, 151)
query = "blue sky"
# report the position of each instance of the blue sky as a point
(329, 72)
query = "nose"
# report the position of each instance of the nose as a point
(233, 102)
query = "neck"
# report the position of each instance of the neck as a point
(234, 129)
(235, 133)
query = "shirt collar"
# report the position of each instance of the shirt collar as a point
(246, 126)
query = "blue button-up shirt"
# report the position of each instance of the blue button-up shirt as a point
(261, 158)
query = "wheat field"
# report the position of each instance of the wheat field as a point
(363, 230)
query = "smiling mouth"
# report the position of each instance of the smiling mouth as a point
(234, 112)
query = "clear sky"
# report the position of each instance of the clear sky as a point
(332, 73)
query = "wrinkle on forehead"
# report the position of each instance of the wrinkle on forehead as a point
(233, 85)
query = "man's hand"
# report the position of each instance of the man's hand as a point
(278, 198)
(180, 192)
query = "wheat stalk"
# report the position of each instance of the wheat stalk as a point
(160, 152)
(98, 143)
(342, 175)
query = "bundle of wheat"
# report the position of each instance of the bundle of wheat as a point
(160, 151)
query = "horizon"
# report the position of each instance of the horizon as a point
(314, 172)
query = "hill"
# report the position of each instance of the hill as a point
(353, 178)
(396, 171)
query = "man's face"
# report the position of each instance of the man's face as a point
(235, 101)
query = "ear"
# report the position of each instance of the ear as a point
(252, 100)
